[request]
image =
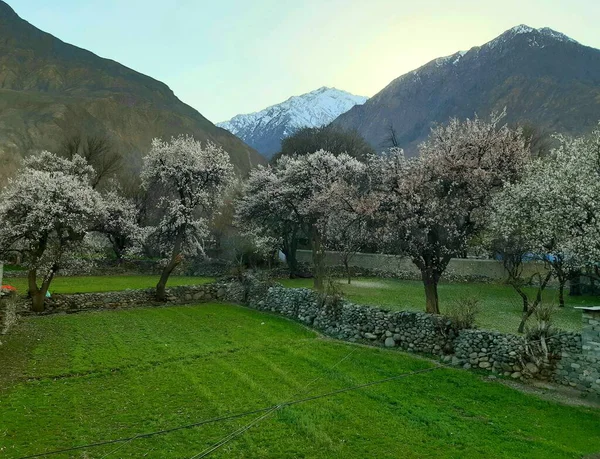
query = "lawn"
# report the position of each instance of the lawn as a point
(88, 284)
(69, 380)
(500, 306)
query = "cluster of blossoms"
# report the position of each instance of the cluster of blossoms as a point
(553, 212)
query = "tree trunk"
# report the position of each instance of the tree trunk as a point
(161, 287)
(292, 263)
(38, 295)
(538, 299)
(289, 250)
(561, 292)
(526, 315)
(318, 257)
(430, 281)
(171, 265)
(347, 268)
(32, 282)
(38, 299)
(575, 284)
(523, 296)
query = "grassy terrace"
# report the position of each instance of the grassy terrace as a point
(500, 306)
(88, 284)
(74, 379)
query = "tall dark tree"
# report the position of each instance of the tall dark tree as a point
(330, 138)
(97, 151)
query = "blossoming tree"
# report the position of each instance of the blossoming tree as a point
(554, 213)
(192, 178)
(47, 211)
(432, 205)
(294, 198)
(264, 210)
(120, 224)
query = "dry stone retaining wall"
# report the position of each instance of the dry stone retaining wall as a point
(563, 358)
(130, 298)
(8, 312)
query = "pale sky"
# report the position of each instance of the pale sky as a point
(227, 57)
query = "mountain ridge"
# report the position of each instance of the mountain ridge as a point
(539, 75)
(265, 128)
(50, 89)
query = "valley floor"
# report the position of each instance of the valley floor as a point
(69, 380)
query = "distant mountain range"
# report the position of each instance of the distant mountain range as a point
(541, 76)
(50, 89)
(265, 129)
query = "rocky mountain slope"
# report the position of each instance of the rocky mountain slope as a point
(50, 90)
(541, 76)
(264, 130)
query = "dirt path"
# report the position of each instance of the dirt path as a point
(553, 392)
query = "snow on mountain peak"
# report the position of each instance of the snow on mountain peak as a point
(265, 129)
(523, 29)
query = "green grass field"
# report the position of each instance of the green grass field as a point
(68, 380)
(89, 284)
(500, 306)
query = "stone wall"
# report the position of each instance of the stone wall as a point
(559, 358)
(581, 367)
(568, 358)
(413, 331)
(8, 312)
(459, 268)
(129, 298)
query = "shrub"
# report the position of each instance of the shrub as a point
(462, 313)
(332, 294)
(543, 325)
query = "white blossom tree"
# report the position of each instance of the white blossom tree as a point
(348, 225)
(47, 211)
(120, 224)
(295, 197)
(432, 205)
(266, 210)
(553, 213)
(192, 178)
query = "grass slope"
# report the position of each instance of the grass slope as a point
(89, 284)
(500, 306)
(74, 379)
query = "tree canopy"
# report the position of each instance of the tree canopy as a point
(332, 139)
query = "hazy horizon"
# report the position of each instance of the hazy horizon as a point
(230, 58)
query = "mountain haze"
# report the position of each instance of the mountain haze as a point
(50, 90)
(541, 76)
(265, 129)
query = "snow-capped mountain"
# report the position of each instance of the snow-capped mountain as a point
(541, 76)
(265, 129)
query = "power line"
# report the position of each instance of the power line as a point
(307, 399)
(245, 428)
(251, 412)
(241, 430)
(234, 416)
(149, 434)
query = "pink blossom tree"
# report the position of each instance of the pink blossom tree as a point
(433, 205)
(192, 178)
